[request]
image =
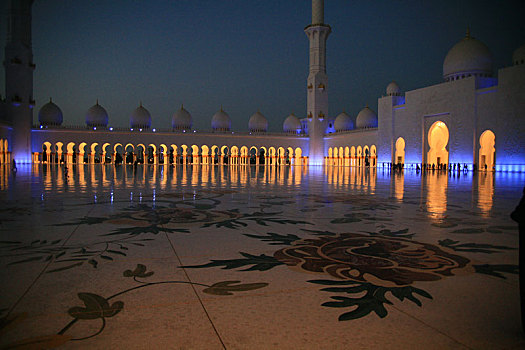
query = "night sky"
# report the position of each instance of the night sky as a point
(246, 55)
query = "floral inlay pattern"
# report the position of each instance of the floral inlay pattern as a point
(384, 261)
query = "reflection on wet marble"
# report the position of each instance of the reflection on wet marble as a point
(196, 256)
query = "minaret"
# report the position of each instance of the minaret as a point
(317, 84)
(19, 68)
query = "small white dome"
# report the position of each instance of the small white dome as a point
(50, 114)
(366, 119)
(393, 89)
(97, 116)
(343, 122)
(518, 57)
(181, 119)
(258, 122)
(468, 57)
(140, 118)
(221, 121)
(292, 124)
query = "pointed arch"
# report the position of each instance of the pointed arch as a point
(487, 150)
(438, 136)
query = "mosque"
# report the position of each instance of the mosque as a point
(473, 117)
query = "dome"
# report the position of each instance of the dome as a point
(366, 119)
(518, 57)
(221, 121)
(50, 114)
(393, 89)
(468, 57)
(140, 118)
(258, 122)
(292, 124)
(181, 120)
(97, 116)
(343, 122)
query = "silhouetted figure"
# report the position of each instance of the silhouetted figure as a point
(518, 215)
(14, 166)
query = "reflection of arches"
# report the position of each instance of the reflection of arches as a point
(487, 151)
(438, 140)
(400, 151)
(352, 156)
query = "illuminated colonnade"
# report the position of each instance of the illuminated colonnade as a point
(352, 156)
(144, 153)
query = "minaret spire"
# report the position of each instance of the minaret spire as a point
(317, 83)
(317, 11)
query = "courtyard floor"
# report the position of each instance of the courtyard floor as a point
(213, 257)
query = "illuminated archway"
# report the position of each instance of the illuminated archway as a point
(298, 156)
(225, 152)
(117, 156)
(164, 152)
(46, 152)
(129, 152)
(234, 156)
(373, 155)
(253, 154)
(205, 154)
(174, 154)
(244, 155)
(195, 155)
(2, 152)
(59, 152)
(214, 154)
(487, 152)
(438, 140)
(352, 156)
(400, 151)
(359, 156)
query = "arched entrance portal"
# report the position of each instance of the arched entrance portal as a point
(400, 151)
(487, 151)
(438, 140)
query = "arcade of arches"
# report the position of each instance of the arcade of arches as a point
(438, 138)
(352, 156)
(167, 154)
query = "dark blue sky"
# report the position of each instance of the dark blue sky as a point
(247, 55)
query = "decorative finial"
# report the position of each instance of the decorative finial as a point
(181, 106)
(97, 101)
(467, 36)
(140, 103)
(50, 100)
(221, 108)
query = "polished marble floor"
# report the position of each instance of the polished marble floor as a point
(199, 257)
